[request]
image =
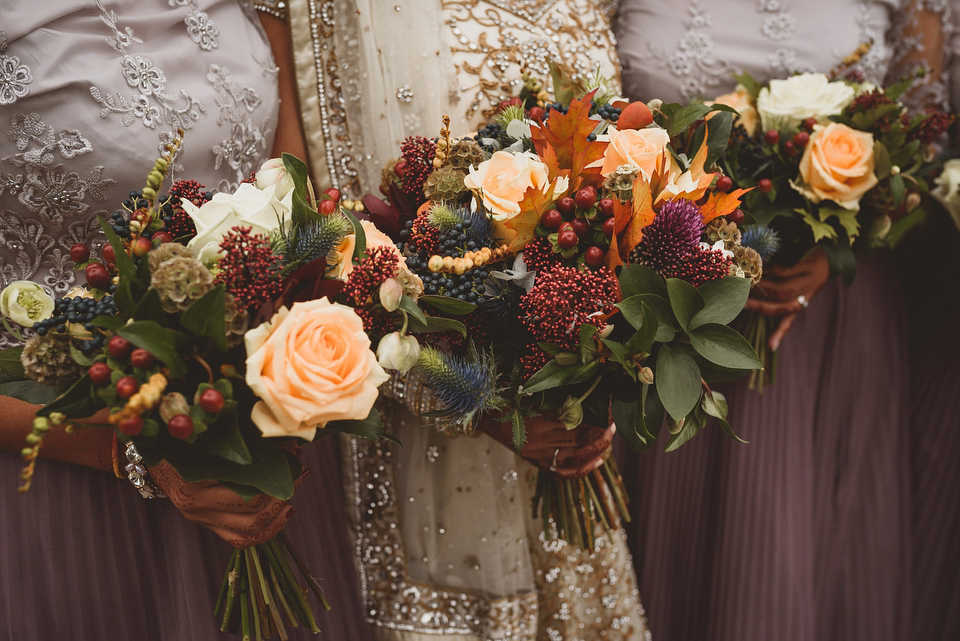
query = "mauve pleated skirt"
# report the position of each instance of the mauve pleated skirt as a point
(800, 535)
(84, 558)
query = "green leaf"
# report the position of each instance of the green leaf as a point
(842, 260)
(124, 264)
(633, 311)
(371, 428)
(223, 437)
(150, 307)
(846, 217)
(550, 348)
(270, 471)
(165, 344)
(449, 305)
(10, 362)
(715, 405)
(640, 279)
(206, 317)
(642, 340)
(619, 355)
(436, 324)
(298, 172)
(691, 427)
(554, 375)
(897, 190)
(627, 416)
(112, 323)
(123, 298)
(588, 348)
(32, 392)
(361, 246)
(75, 402)
(686, 117)
(718, 135)
(677, 381)
(881, 159)
(409, 305)
(749, 83)
(723, 300)
(685, 300)
(820, 229)
(81, 358)
(724, 346)
(519, 430)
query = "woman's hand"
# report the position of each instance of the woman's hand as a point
(553, 448)
(212, 505)
(786, 291)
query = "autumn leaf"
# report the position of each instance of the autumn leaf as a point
(524, 224)
(613, 259)
(721, 204)
(630, 218)
(567, 135)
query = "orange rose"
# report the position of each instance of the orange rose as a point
(310, 365)
(837, 165)
(412, 284)
(741, 101)
(502, 181)
(641, 148)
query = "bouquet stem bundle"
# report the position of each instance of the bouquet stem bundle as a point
(757, 330)
(576, 506)
(259, 584)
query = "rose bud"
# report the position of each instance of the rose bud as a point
(645, 375)
(398, 351)
(273, 172)
(173, 404)
(391, 291)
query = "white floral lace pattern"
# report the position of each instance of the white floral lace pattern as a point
(14, 76)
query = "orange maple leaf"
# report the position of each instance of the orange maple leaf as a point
(524, 224)
(567, 135)
(721, 204)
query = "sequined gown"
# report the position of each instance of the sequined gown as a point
(89, 93)
(445, 545)
(803, 533)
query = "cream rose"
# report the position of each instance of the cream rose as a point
(641, 148)
(502, 181)
(248, 207)
(741, 101)
(310, 365)
(786, 103)
(412, 284)
(948, 188)
(837, 165)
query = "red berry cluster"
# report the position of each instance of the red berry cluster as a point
(565, 298)
(250, 270)
(700, 267)
(424, 237)
(182, 224)
(379, 264)
(416, 163)
(538, 255)
(532, 361)
(931, 128)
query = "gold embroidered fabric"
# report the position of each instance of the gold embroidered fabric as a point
(276, 8)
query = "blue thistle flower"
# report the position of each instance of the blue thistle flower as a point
(464, 387)
(762, 239)
(308, 241)
(673, 235)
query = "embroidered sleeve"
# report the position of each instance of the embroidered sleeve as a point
(276, 8)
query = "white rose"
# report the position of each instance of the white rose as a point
(247, 207)
(786, 103)
(25, 303)
(273, 172)
(398, 351)
(948, 188)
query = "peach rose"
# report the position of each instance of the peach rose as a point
(837, 165)
(502, 181)
(412, 284)
(310, 365)
(740, 100)
(640, 148)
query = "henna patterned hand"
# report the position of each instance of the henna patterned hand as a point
(212, 505)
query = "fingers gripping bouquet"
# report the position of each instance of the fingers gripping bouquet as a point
(565, 247)
(836, 164)
(219, 332)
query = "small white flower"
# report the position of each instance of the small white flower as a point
(718, 246)
(25, 303)
(273, 172)
(398, 351)
(391, 291)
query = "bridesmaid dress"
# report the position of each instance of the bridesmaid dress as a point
(90, 91)
(803, 533)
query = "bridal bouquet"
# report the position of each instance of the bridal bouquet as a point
(835, 164)
(218, 332)
(565, 250)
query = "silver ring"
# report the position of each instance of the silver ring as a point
(553, 466)
(803, 301)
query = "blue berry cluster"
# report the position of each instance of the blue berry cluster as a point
(81, 311)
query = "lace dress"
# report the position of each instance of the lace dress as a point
(445, 544)
(89, 92)
(803, 533)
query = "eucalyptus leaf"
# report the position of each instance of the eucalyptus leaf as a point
(677, 381)
(724, 346)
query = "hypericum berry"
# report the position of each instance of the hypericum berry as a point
(551, 219)
(789, 147)
(565, 226)
(772, 137)
(162, 237)
(180, 426)
(211, 401)
(608, 227)
(98, 276)
(142, 247)
(141, 358)
(809, 123)
(99, 374)
(735, 216)
(108, 254)
(765, 185)
(127, 387)
(594, 256)
(79, 253)
(605, 206)
(567, 239)
(567, 206)
(585, 198)
(800, 139)
(119, 347)
(400, 168)
(582, 227)
(131, 426)
(334, 194)
(536, 114)
(724, 184)
(327, 207)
